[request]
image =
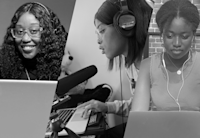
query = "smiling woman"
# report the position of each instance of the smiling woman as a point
(34, 44)
(27, 41)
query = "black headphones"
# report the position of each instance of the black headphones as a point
(124, 20)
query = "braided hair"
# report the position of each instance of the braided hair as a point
(177, 8)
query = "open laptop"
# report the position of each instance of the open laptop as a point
(71, 117)
(25, 107)
(163, 124)
(72, 120)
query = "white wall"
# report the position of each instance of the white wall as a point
(82, 44)
(82, 40)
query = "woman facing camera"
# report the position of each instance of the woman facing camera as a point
(34, 44)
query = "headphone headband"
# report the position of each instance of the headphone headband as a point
(124, 20)
(42, 5)
(124, 5)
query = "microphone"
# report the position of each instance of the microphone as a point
(68, 82)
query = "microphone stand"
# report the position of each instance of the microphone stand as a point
(57, 126)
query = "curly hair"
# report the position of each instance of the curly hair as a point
(177, 8)
(136, 42)
(52, 45)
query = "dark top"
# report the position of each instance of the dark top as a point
(30, 66)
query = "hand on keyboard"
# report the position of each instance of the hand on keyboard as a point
(93, 105)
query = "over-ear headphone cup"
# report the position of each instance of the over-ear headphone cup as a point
(124, 32)
(115, 21)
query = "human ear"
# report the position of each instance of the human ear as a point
(193, 42)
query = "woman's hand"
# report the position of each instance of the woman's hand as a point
(93, 105)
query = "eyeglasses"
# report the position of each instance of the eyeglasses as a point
(33, 32)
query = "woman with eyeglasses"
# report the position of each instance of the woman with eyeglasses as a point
(34, 44)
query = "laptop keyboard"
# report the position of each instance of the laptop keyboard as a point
(64, 115)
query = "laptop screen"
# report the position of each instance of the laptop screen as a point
(163, 124)
(25, 107)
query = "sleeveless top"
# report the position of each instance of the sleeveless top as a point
(189, 98)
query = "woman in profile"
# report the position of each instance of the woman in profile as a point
(121, 34)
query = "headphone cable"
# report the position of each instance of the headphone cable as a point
(182, 78)
(122, 100)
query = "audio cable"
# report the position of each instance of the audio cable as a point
(182, 79)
